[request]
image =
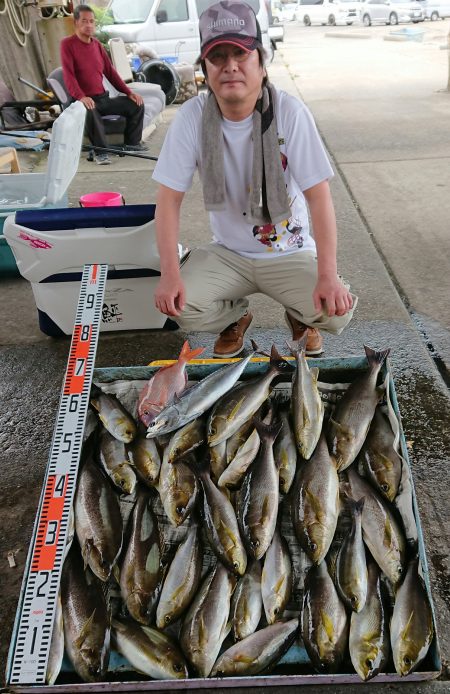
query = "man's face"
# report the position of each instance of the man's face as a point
(85, 25)
(234, 75)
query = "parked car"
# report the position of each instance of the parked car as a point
(170, 27)
(276, 12)
(391, 12)
(288, 11)
(327, 12)
(436, 9)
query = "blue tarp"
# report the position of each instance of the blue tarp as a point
(24, 139)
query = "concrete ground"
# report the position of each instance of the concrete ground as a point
(386, 124)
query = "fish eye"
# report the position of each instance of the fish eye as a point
(312, 546)
(212, 430)
(180, 510)
(236, 565)
(178, 667)
(255, 543)
(400, 570)
(167, 618)
(276, 610)
(369, 663)
(353, 599)
(407, 660)
(385, 487)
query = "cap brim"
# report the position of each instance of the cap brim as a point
(247, 44)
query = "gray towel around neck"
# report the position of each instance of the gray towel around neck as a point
(268, 200)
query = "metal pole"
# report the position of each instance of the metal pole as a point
(120, 152)
(33, 86)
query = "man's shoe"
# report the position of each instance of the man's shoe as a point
(102, 159)
(136, 148)
(231, 340)
(314, 340)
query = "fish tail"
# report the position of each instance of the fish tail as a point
(376, 358)
(346, 490)
(255, 348)
(354, 506)
(95, 390)
(278, 363)
(187, 353)
(269, 432)
(297, 348)
(281, 401)
(199, 462)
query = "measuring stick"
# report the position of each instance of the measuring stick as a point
(41, 585)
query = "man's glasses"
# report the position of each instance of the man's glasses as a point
(220, 56)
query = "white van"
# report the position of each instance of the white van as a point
(436, 9)
(329, 12)
(170, 27)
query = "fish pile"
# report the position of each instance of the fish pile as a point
(285, 525)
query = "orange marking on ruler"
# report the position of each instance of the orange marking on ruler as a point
(94, 274)
(53, 507)
(80, 351)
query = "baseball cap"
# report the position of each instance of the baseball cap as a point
(229, 21)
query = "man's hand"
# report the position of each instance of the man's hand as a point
(331, 292)
(170, 296)
(137, 98)
(88, 102)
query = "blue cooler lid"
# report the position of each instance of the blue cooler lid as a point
(64, 152)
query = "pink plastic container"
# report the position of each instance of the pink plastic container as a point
(102, 199)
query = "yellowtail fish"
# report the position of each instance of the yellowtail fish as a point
(315, 502)
(307, 405)
(257, 653)
(369, 628)
(412, 622)
(141, 569)
(258, 497)
(113, 415)
(206, 624)
(324, 621)
(86, 619)
(182, 580)
(149, 650)
(351, 419)
(238, 406)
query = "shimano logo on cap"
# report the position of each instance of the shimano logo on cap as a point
(231, 22)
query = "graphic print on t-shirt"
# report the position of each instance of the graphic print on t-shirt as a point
(270, 235)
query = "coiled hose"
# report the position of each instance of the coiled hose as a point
(18, 17)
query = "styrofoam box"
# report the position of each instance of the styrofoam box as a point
(51, 247)
(35, 190)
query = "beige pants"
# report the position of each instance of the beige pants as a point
(218, 282)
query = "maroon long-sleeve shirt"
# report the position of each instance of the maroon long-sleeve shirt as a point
(84, 65)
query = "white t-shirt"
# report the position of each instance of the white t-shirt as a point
(305, 164)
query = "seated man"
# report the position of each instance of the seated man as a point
(84, 62)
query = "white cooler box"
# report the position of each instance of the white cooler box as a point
(51, 247)
(37, 190)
